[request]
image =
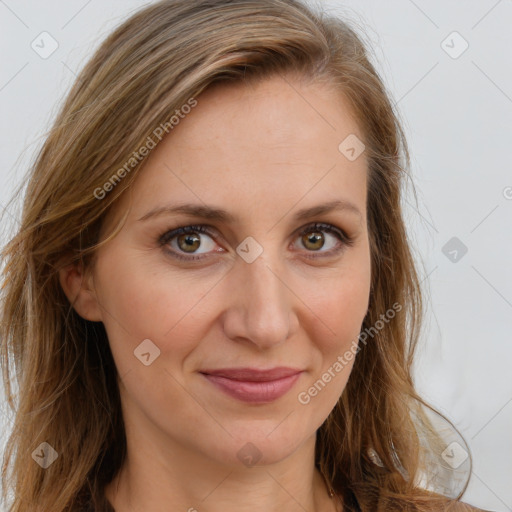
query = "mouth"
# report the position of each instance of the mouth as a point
(253, 385)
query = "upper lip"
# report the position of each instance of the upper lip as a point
(253, 374)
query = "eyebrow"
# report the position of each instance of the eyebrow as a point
(221, 215)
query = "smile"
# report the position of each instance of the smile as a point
(253, 386)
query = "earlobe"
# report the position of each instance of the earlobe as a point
(78, 287)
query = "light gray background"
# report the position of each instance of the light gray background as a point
(457, 113)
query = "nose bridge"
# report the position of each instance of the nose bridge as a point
(260, 307)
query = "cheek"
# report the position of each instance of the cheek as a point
(342, 315)
(340, 306)
(340, 311)
(140, 303)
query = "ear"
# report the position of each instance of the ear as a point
(78, 286)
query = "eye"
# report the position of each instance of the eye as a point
(185, 242)
(313, 238)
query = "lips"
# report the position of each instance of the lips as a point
(253, 385)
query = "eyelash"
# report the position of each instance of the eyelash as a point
(167, 236)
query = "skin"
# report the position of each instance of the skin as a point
(261, 151)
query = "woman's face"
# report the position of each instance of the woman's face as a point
(191, 316)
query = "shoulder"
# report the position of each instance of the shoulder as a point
(458, 506)
(441, 503)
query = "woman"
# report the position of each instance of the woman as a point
(211, 301)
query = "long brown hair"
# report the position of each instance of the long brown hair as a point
(377, 441)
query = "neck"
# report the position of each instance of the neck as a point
(150, 482)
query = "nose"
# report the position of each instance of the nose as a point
(260, 305)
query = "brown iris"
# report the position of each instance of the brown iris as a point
(191, 242)
(313, 240)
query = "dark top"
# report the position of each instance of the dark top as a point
(455, 506)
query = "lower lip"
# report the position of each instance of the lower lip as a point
(254, 392)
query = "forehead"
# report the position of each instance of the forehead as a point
(277, 110)
(257, 145)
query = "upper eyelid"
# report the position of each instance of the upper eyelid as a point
(311, 225)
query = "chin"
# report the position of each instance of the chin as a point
(259, 447)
